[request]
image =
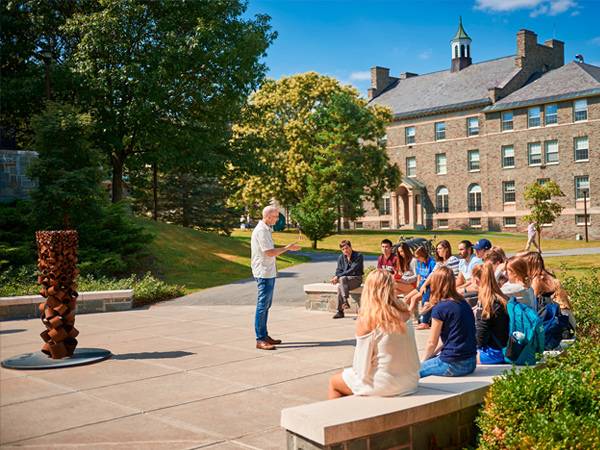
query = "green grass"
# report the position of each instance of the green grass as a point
(198, 260)
(369, 241)
(576, 266)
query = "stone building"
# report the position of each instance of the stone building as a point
(469, 139)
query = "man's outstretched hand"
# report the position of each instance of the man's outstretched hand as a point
(293, 247)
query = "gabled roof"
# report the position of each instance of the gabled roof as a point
(570, 81)
(460, 33)
(446, 91)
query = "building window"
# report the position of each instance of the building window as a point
(582, 184)
(442, 223)
(508, 191)
(551, 114)
(507, 120)
(551, 152)
(384, 224)
(440, 131)
(440, 164)
(473, 160)
(441, 200)
(409, 135)
(580, 110)
(358, 225)
(542, 181)
(534, 117)
(385, 208)
(582, 149)
(475, 222)
(472, 126)
(580, 219)
(510, 222)
(474, 197)
(411, 166)
(508, 156)
(534, 153)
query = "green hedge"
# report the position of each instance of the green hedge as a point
(555, 405)
(146, 289)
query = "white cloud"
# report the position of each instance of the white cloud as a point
(425, 54)
(538, 7)
(360, 76)
(595, 41)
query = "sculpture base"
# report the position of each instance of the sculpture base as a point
(40, 361)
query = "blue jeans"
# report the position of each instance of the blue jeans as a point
(435, 366)
(489, 355)
(266, 286)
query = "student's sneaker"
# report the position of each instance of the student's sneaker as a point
(339, 315)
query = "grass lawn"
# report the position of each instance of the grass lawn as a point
(198, 259)
(369, 241)
(572, 265)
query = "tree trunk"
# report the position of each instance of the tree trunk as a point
(117, 178)
(539, 238)
(339, 219)
(154, 192)
(314, 244)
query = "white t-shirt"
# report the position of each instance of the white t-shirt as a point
(263, 266)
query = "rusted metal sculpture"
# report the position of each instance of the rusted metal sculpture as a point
(57, 260)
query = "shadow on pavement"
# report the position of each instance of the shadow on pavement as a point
(153, 355)
(12, 331)
(348, 342)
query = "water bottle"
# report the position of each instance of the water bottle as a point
(519, 336)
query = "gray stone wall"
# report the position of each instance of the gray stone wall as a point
(14, 182)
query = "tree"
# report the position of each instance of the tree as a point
(542, 209)
(315, 215)
(167, 71)
(308, 126)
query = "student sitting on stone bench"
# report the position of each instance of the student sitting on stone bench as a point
(386, 361)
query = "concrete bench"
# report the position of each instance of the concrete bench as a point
(323, 297)
(443, 409)
(26, 306)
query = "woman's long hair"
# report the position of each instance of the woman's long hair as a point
(443, 286)
(489, 291)
(378, 304)
(518, 265)
(536, 266)
(404, 261)
(448, 251)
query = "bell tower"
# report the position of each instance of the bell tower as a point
(461, 49)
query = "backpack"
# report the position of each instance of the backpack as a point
(523, 319)
(556, 324)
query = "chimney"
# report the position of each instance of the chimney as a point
(405, 75)
(551, 54)
(558, 48)
(380, 79)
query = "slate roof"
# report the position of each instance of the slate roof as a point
(446, 91)
(570, 81)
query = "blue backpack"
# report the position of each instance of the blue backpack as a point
(525, 321)
(556, 324)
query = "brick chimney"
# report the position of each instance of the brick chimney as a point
(550, 55)
(380, 79)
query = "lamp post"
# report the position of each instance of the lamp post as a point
(585, 220)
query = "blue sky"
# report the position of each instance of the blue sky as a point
(344, 38)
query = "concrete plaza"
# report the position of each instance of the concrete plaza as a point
(182, 377)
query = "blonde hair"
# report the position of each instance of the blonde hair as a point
(378, 304)
(561, 297)
(489, 291)
(518, 265)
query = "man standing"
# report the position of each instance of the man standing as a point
(387, 260)
(264, 270)
(532, 237)
(348, 275)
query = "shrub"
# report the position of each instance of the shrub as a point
(584, 293)
(552, 406)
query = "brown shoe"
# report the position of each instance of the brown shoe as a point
(264, 345)
(272, 341)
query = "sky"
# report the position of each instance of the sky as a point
(345, 38)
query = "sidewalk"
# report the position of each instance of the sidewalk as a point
(181, 377)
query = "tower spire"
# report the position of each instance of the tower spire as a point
(461, 48)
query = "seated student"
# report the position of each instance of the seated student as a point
(387, 260)
(453, 322)
(466, 263)
(424, 268)
(348, 275)
(497, 258)
(481, 247)
(518, 285)
(444, 257)
(491, 317)
(386, 361)
(405, 276)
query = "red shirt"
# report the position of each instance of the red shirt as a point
(388, 264)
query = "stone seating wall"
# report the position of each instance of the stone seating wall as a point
(323, 297)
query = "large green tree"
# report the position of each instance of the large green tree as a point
(308, 129)
(543, 209)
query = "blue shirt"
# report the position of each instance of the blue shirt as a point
(466, 268)
(424, 270)
(458, 330)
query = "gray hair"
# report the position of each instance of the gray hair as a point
(269, 210)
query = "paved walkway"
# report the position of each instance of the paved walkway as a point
(182, 377)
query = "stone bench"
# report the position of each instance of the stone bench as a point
(323, 297)
(442, 410)
(26, 306)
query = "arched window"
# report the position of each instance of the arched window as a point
(456, 51)
(462, 51)
(441, 199)
(474, 197)
(468, 51)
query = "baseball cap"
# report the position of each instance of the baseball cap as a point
(482, 244)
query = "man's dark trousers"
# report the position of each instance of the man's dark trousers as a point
(345, 285)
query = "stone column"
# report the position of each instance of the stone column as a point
(411, 209)
(394, 204)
